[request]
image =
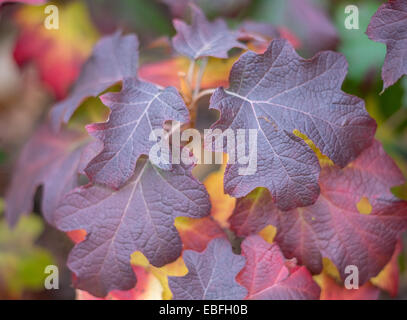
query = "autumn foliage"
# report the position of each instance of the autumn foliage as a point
(320, 200)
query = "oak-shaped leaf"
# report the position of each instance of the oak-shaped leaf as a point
(148, 287)
(136, 111)
(197, 233)
(211, 274)
(48, 159)
(138, 217)
(356, 220)
(203, 38)
(389, 278)
(389, 26)
(114, 58)
(267, 275)
(276, 93)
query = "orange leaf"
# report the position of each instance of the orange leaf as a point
(170, 72)
(175, 269)
(222, 204)
(148, 288)
(331, 290)
(197, 233)
(388, 278)
(77, 235)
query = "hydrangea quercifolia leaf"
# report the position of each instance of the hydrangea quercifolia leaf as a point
(114, 58)
(48, 159)
(268, 276)
(278, 92)
(204, 38)
(197, 233)
(389, 26)
(148, 287)
(331, 290)
(333, 226)
(138, 217)
(211, 274)
(136, 111)
(389, 278)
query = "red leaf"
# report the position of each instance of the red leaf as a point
(333, 291)
(266, 275)
(388, 278)
(333, 226)
(58, 54)
(197, 233)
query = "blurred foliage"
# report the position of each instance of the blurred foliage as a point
(362, 54)
(22, 263)
(2, 156)
(148, 17)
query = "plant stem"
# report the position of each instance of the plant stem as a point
(201, 72)
(190, 74)
(203, 93)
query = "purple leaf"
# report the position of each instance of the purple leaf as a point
(47, 159)
(138, 217)
(276, 93)
(113, 59)
(211, 274)
(312, 24)
(333, 227)
(268, 277)
(303, 18)
(88, 154)
(137, 110)
(204, 38)
(389, 26)
(258, 30)
(179, 8)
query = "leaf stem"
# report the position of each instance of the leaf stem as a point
(203, 93)
(201, 72)
(190, 74)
